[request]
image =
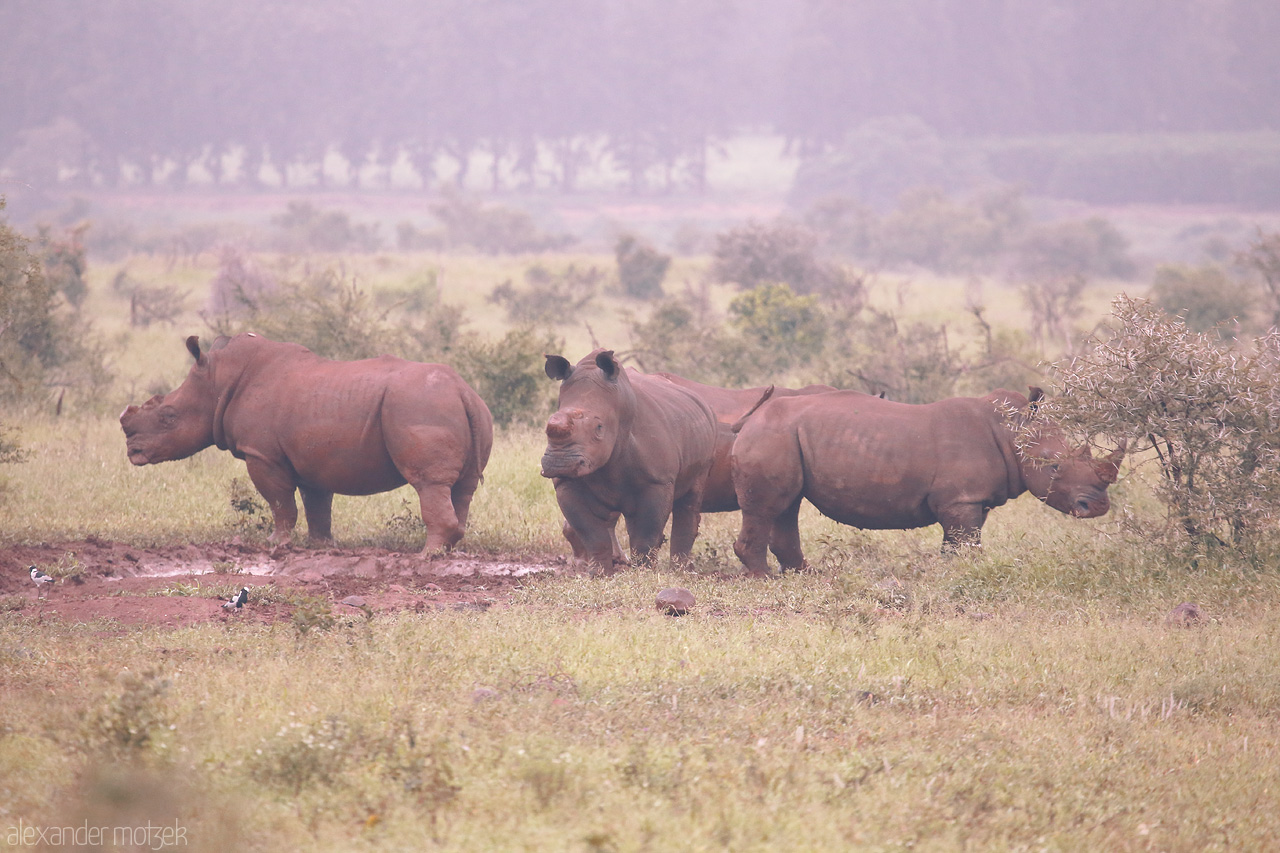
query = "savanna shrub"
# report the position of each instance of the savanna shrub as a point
(1054, 301)
(45, 346)
(1207, 410)
(785, 329)
(1088, 247)
(1204, 297)
(1262, 258)
(641, 267)
(130, 722)
(780, 252)
(326, 313)
(934, 231)
(65, 263)
(508, 374)
(679, 336)
(873, 352)
(491, 229)
(549, 297)
(305, 227)
(239, 285)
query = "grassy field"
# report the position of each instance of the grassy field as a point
(1027, 696)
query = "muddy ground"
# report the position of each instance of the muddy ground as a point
(174, 586)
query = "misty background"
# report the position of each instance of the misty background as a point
(1165, 101)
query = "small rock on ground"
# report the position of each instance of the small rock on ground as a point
(675, 601)
(1185, 615)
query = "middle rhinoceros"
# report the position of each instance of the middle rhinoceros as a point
(623, 443)
(880, 465)
(728, 405)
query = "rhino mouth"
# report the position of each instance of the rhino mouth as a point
(137, 457)
(565, 465)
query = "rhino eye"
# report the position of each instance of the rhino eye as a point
(599, 430)
(168, 417)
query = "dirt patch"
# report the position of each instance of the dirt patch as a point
(183, 585)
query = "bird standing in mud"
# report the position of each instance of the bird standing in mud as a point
(40, 579)
(237, 601)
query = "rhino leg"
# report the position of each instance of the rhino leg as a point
(961, 526)
(784, 538)
(645, 525)
(277, 486)
(317, 505)
(444, 530)
(589, 525)
(752, 544)
(685, 518)
(580, 550)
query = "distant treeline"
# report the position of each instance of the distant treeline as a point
(884, 158)
(118, 87)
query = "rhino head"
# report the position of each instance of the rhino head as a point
(594, 410)
(176, 425)
(1068, 479)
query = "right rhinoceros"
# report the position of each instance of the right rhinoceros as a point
(622, 443)
(880, 465)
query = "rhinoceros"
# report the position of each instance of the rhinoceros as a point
(880, 465)
(728, 405)
(305, 423)
(623, 443)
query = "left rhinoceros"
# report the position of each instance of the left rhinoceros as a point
(321, 427)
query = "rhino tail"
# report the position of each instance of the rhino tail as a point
(480, 421)
(764, 398)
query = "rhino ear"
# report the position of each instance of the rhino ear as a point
(1034, 395)
(606, 362)
(557, 367)
(193, 347)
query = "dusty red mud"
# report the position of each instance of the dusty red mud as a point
(176, 586)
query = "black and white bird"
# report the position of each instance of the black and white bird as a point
(237, 601)
(40, 578)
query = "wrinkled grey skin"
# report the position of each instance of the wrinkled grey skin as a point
(880, 465)
(622, 443)
(304, 423)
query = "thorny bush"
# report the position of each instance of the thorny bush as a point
(1207, 412)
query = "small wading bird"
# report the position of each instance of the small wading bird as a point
(40, 579)
(237, 601)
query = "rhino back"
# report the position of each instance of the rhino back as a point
(331, 421)
(673, 431)
(877, 464)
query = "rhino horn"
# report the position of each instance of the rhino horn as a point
(560, 425)
(193, 347)
(1109, 467)
(557, 367)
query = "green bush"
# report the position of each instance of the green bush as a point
(1204, 297)
(46, 348)
(1089, 247)
(305, 227)
(548, 297)
(491, 229)
(780, 252)
(783, 329)
(508, 374)
(931, 230)
(641, 268)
